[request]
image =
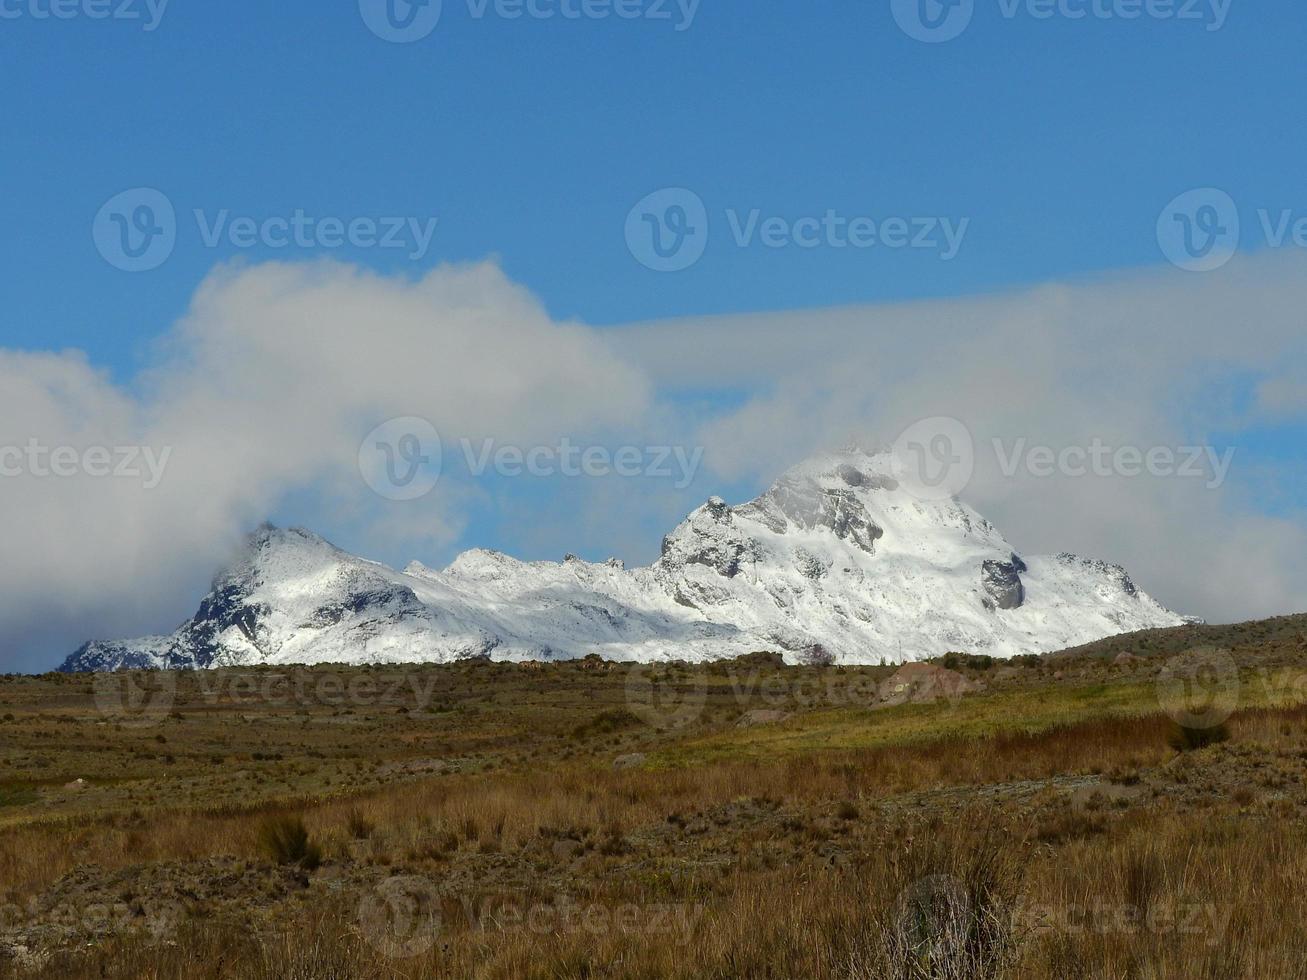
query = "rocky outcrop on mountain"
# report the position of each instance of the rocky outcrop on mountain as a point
(1002, 583)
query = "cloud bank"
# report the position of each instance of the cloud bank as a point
(264, 389)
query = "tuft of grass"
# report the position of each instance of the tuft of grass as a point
(17, 795)
(954, 919)
(285, 840)
(358, 825)
(1188, 738)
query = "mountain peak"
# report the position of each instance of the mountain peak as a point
(837, 556)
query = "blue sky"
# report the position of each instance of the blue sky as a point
(531, 139)
(1053, 142)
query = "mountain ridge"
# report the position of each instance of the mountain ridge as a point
(836, 562)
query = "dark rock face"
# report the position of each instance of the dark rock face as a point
(225, 607)
(808, 506)
(379, 599)
(1001, 581)
(710, 538)
(854, 477)
(106, 655)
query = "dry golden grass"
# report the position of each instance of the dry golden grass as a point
(1051, 831)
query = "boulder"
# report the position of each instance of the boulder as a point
(762, 716)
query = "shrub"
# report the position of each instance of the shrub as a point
(606, 723)
(285, 840)
(1187, 738)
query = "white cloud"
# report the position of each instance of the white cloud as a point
(268, 385)
(1152, 359)
(269, 382)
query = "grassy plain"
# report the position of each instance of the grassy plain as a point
(592, 820)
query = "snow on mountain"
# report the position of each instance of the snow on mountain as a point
(836, 562)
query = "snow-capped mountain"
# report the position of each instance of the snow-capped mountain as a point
(836, 562)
